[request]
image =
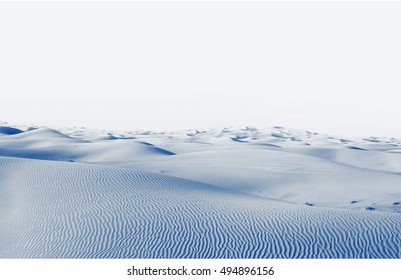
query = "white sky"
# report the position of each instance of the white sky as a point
(327, 67)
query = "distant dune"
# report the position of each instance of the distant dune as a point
(218, 193)
(9, 130)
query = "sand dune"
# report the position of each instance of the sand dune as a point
(197, 194)
(5, 130)
(54, 209)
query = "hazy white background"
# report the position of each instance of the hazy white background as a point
(328, 67)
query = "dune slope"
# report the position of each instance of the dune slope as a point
(53, 209)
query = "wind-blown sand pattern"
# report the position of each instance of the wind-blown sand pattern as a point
(231, 193)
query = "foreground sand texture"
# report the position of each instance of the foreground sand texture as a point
(221, 193)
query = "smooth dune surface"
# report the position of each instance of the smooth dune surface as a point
(219, 193)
